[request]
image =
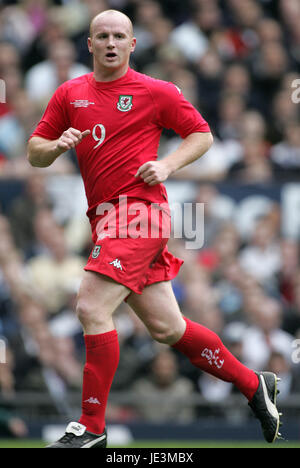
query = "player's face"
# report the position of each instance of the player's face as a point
(111, 42)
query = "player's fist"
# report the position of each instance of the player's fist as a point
(153, 172)
(70, 139)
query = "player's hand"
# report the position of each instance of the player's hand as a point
(153, 172)
(70, 139)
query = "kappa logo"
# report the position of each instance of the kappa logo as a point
(125, 103)
(82, 103)
(117, 264)
(93, 401)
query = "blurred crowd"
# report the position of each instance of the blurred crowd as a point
(238, 62)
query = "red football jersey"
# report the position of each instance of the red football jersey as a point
(126, 118)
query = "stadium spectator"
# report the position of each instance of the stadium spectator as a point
(13, 85)
(137, 349)
(287, 276)
(16, 126)
(268, 69)
(209, 196)
(10, 57)
(16, 27)
(51, 32)
(11, 425)
(147, 12)
(37, 349)
(160, 30)
(190, 32)
(228, 288)
(232, 335)
(231, 109)
(9, 326)
(49, 275)
(283, 110)
(42, 79)
(209, 72)
(290, 381)
(286, 154)
(253, 125)
(226, 245)
(269, 30)
(169, 61)
(237, 80)
(265, 336)
(291, 321)
(213, 166)
(9, 72)
(254, 166)
(167, 388)
(263, 244)
(11, 265)
(7, 379)
(35, 198)
(242, 21)
(290, 14)
(36, 13)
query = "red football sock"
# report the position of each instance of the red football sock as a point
(206, 351)
(102, 359)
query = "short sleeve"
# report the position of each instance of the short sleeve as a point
(55, 120)
(176, 113)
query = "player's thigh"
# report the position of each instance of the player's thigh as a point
(157, 307)
(99, 295)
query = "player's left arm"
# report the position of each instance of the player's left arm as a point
(192, 148)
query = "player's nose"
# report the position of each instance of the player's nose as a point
(111, 42)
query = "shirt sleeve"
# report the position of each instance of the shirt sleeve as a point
(55, 120)
(176, 113)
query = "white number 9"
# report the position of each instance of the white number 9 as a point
(100, 139)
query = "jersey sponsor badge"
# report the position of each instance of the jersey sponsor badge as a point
(125, 103)
(96, 251)
(82, 103)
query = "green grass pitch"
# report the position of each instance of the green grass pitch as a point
(164, 444)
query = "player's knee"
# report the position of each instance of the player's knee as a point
(166, 334)
(83, 312)
(88, 314)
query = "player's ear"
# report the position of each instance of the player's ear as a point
(133, 44)
(90, 47)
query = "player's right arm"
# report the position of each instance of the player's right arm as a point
(42, 152)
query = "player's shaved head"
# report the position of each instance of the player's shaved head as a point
(118, 15)
(111, 42)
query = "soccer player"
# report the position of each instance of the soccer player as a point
(114, 118)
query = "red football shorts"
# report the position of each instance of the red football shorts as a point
(130, 243)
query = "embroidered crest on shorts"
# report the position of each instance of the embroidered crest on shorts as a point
(125, 103)
(96, 251)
